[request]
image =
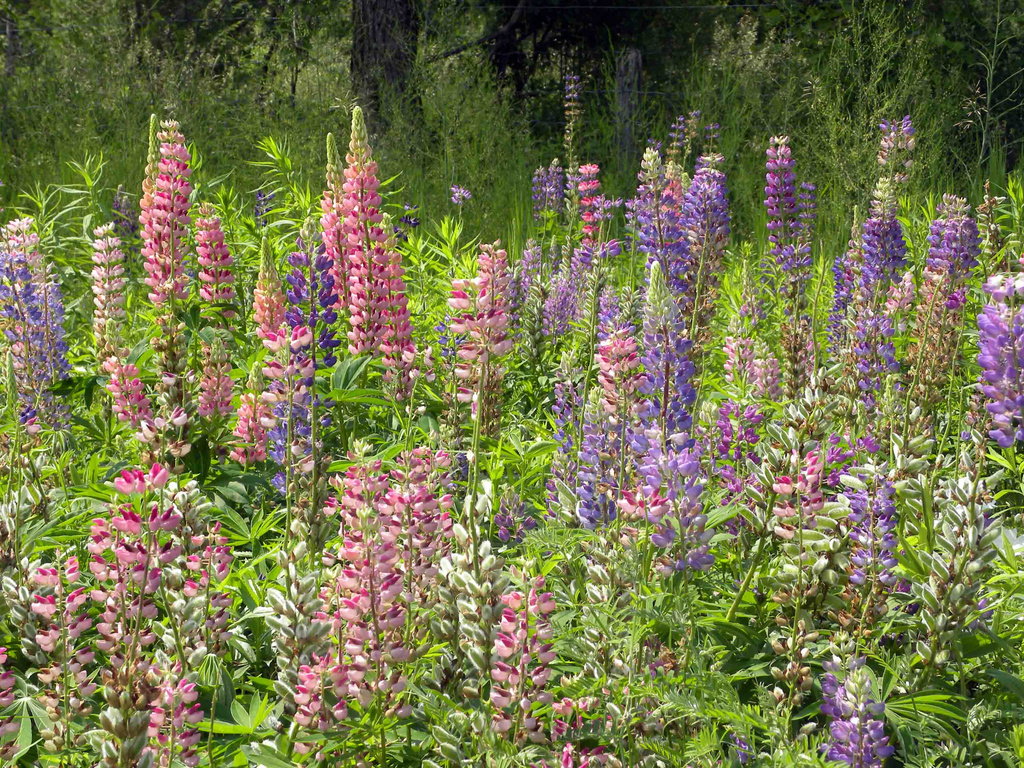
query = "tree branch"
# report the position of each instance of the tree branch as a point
(504, 28)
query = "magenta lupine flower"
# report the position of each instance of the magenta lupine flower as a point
(479, 306)
(522, 653)
(364, 239)
(255, 420)
(268, 301)
(165, 220)
(215, 386)
(108, 290)
(172, 722)
(130, 401)
(216, 280)
(735, 439)
(8, 726)
(595, 208)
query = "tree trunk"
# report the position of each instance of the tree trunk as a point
(627, 102)
(384, 39)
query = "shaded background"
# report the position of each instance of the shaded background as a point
(470, 91)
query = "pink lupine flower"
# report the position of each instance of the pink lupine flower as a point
(396, 345)
(617, 363)
(215, 261)
(268, 300)
(130, 402)
(215, 388)
(165, 219)
(335, 236)
(255, 419)
(364, 242)
(522, 650)
(480, 312)
(108, 290)
(131, 481)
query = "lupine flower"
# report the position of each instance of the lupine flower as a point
(954, 248)
(365, 243)
(522, 654)
(735, 439)
(108, 291)
(513, 521)
(32, 321)
(8, 725)
(396, 345)
(548, 190)
(873, 539)
(215, 387)
(1001, 357)
(255, 419)
(460, 195)
(573, 112)
(130, 401)
(337, 204)
(479, 307)
(165, 219)
(526, 272)
(799, 499)
(857, 730)
(307, 342)
(215, 276)
(261, 210)
(654, 218)
(705, 222)
(605, 427)
(268, 302)
(410, 219)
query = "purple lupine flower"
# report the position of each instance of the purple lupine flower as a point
(744, 753)
(566, 412)
(953, 239)
(548, 190)
(573, 112)
(605, 428)
(874, 352)
(705, 222)
(845, 273)
(653, 216)
(513, 521)
(858, 732)
(312, 319)
(683, 134)
(32, 313)
(460, 195)
(264, 205)
(607, 313)
(737, 435)
(1001, 357)
(126, 217)
(526, 272)
(873, 513)
(410, 219)
(790, 214)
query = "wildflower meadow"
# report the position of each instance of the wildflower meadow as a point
(316, 475)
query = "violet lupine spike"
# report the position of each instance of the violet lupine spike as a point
(857, 728)
(108, 291)
(735, 440)
(526, 272)
(548, 190)
(32, 310)
(460, 195)
(953, 239)
(363, 239)
(216, 280)
(1001, 357)
(873, 540)
(573, 112)
(653, 216)
(874, 352)
(781, 202)
(846, 271)
(706, 223)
